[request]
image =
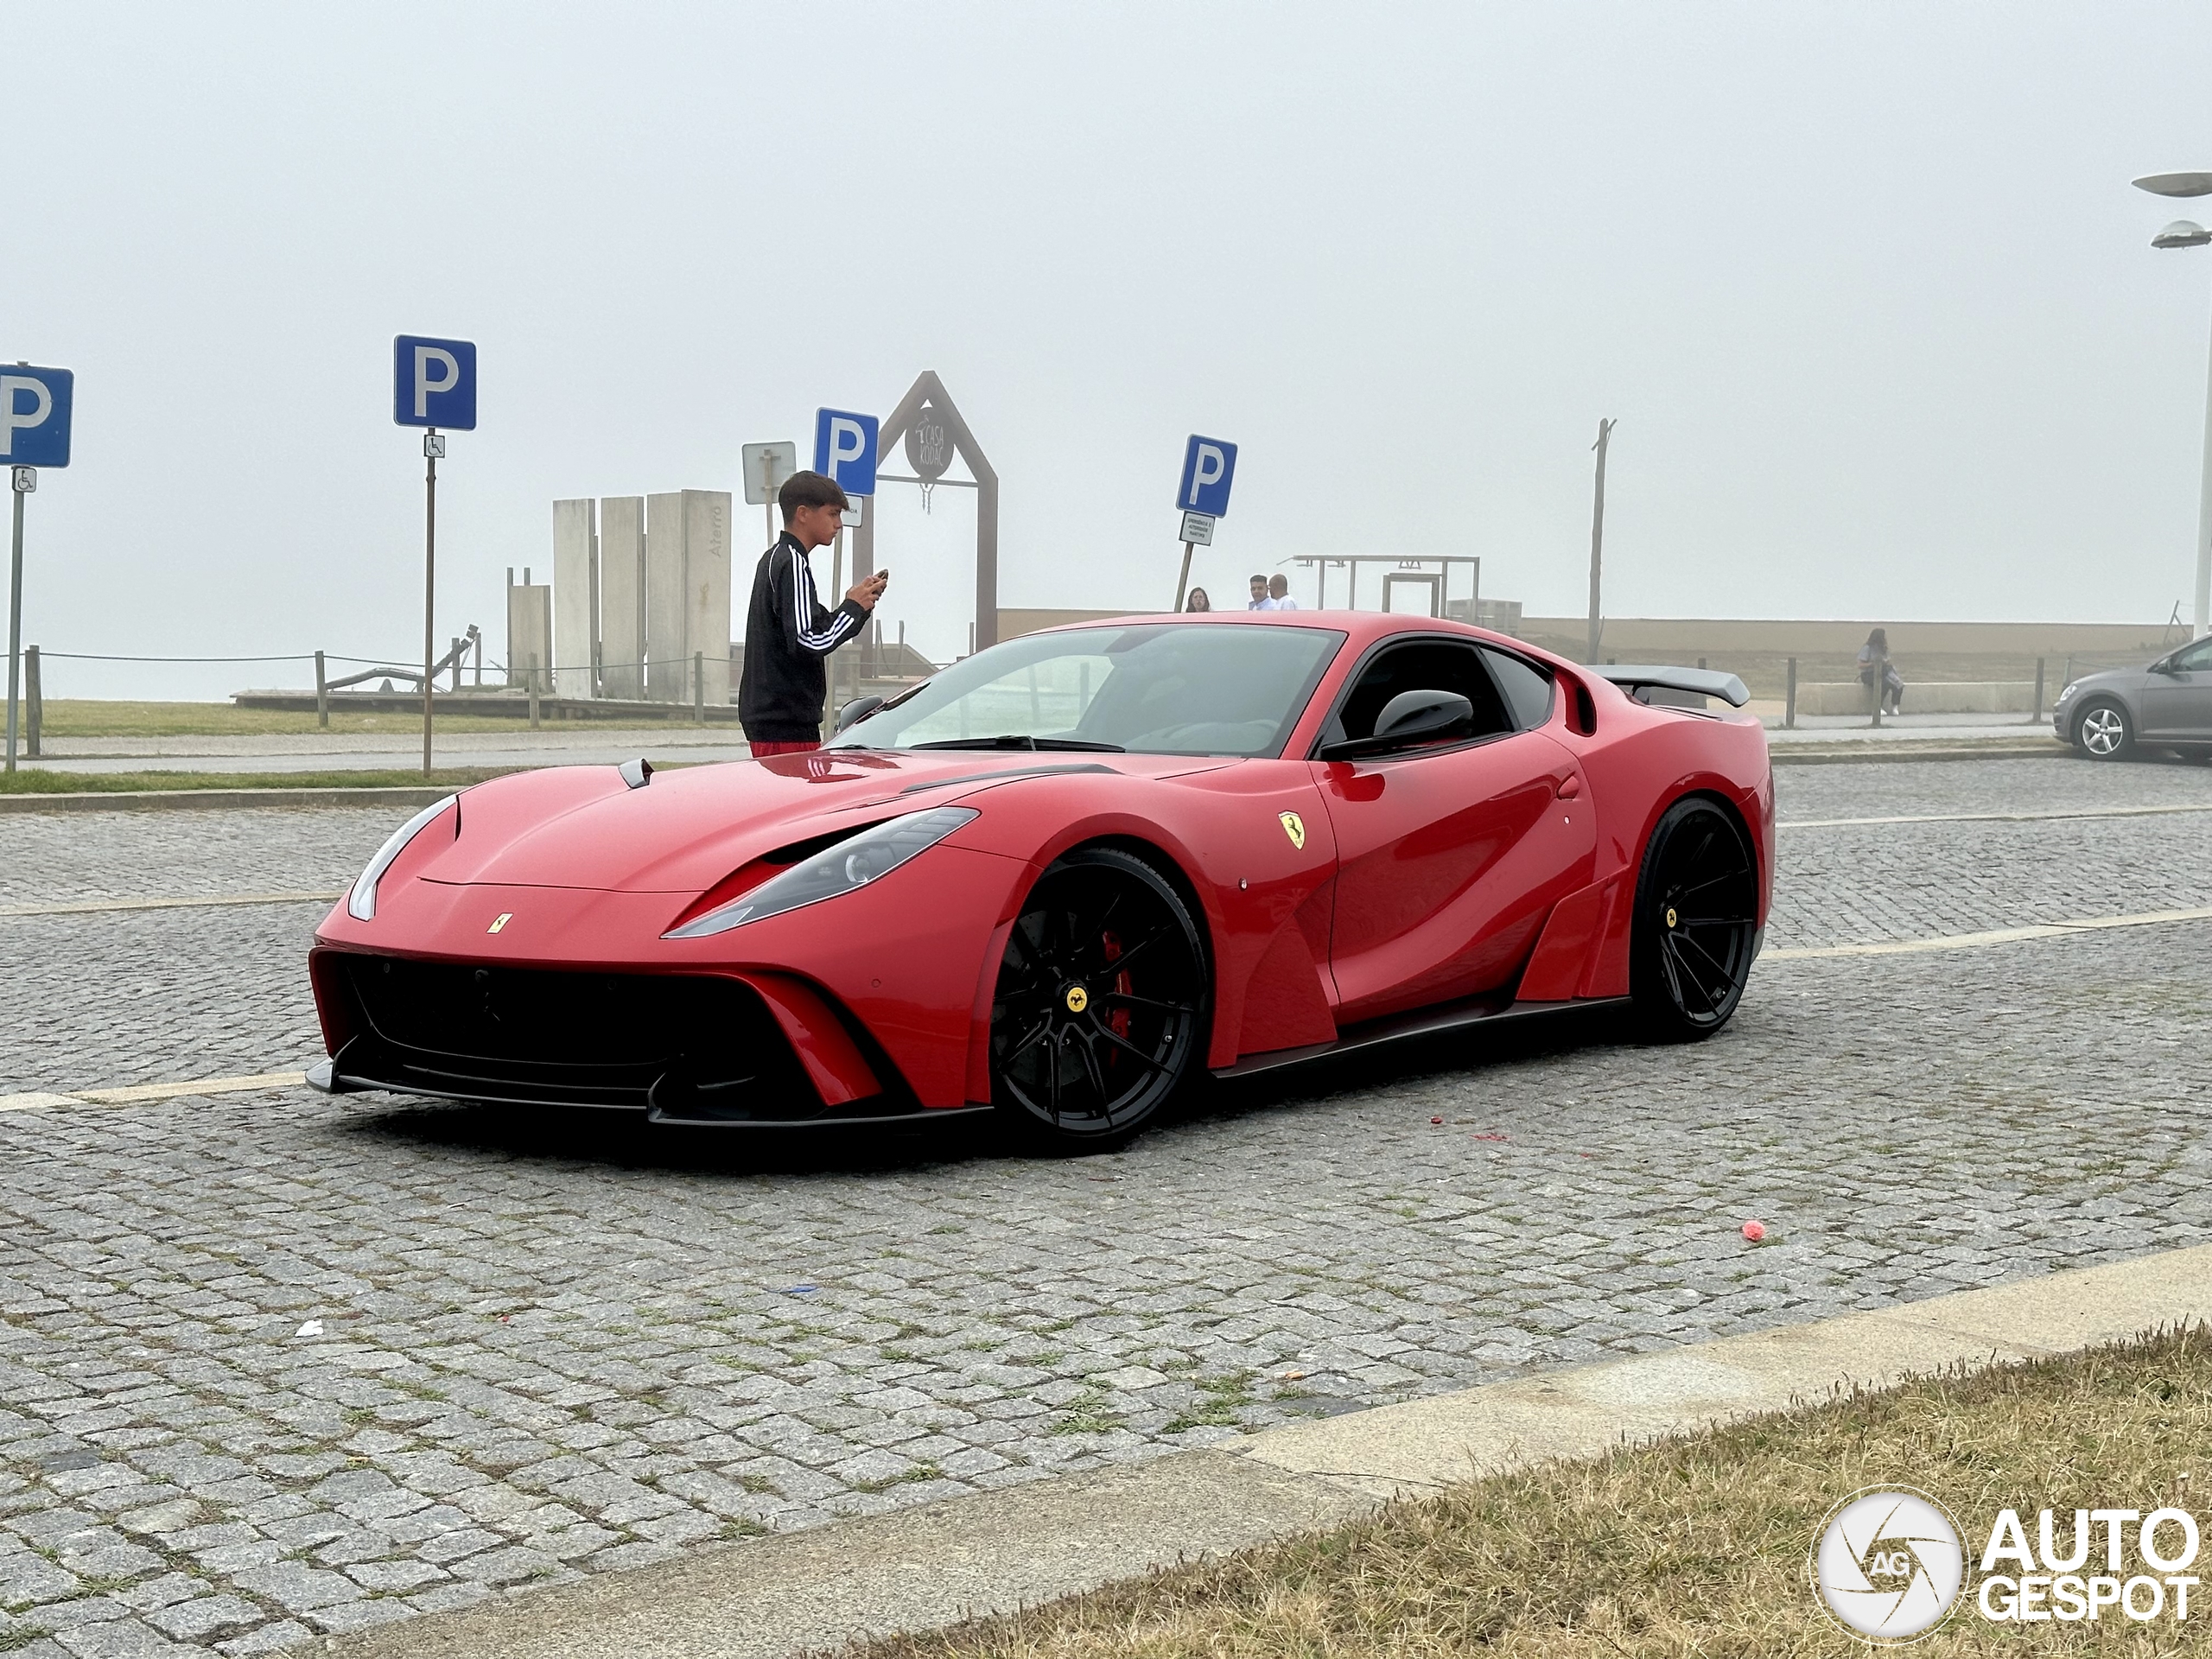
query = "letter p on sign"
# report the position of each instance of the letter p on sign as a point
(1209, 469)
(844, 449)
(35, 408)
(434, 383)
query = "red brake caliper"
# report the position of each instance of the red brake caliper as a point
(1118, 1020)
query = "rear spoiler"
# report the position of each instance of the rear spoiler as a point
(1698, 682)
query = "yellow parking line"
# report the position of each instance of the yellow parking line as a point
(90, 906)
(133, 1093)
(1999, 936)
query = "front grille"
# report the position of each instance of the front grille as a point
(690, 1047)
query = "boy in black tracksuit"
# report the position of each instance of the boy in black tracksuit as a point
(787, 632)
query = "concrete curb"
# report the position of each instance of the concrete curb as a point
(930, 1566)
(1884, 753)
(156, 800)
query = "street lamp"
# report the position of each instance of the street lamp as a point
(2187, 233)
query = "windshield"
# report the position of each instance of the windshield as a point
(1148, 687)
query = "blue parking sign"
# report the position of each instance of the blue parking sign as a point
(1209, 469)
(34, 406)
(433, 382)
(844, 449)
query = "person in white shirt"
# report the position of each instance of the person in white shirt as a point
(1279, 597)
(1259, 601)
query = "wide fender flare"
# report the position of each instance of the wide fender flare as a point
(1610, 975)
(1081, 832)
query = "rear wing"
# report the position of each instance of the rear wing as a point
(1697, 682)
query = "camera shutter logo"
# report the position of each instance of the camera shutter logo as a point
(1888, 1565)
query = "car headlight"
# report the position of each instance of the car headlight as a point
(361, 902)
(838, 868)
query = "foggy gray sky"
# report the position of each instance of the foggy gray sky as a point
(1865, 285)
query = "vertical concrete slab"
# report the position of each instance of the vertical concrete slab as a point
(622, 595)
(576, 595)
(530, 632)
(707, 585)
(668, 648)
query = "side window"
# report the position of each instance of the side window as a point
(1528, 689)
(1426, 665)
(2196, 658)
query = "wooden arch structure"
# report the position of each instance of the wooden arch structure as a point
(928, 392)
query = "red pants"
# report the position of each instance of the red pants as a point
(762, 751)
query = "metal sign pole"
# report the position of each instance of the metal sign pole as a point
(1597, 540)
(432, 447)
(24, 479)
(1183, 581)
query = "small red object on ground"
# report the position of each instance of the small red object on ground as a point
(1754, 1230)
(1436, 1120)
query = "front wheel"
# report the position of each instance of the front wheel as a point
(1098, 1015)
(1695, 921)
(2104, 732)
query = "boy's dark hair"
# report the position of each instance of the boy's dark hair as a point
(809, 490)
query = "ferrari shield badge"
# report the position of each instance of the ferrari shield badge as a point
(501, 921)
(1294, 826)
(1078, 998)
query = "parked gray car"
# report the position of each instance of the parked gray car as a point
(2166, 706)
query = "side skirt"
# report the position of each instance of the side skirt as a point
(1421, 1022)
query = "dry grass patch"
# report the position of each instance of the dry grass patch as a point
(1694, 1546)
(36, 780)
(121, 717)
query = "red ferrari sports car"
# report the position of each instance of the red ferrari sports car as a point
(1066, 875)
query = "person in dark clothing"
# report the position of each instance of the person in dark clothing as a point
(787, 632)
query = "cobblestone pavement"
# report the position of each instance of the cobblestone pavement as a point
(273, 1365)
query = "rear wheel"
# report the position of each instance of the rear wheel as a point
(1099, 1010)
(2104, 732)
(1696, 917)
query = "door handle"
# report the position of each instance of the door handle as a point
(1570, 786)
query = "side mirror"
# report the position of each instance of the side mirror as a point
(1410, 717)
(858, 710)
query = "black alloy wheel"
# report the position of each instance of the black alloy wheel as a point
(1696, 917)
(1099, 1010)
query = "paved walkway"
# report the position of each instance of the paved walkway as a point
(992, 1553)
(272, 1365)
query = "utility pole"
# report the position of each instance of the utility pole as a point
(1598, 539)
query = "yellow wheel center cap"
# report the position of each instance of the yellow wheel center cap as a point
(1077, 999)
(1670, 915)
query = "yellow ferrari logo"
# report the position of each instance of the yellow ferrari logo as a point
(1294, 826)
(1078, 998)
(501, 921)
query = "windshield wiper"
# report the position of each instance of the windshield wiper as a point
(1021, 740)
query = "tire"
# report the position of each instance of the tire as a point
(1695, 922)
(2103, 732)
(1099, 1015)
